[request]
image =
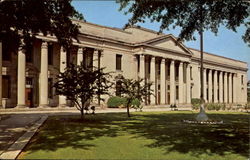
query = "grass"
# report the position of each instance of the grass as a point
(146, 135)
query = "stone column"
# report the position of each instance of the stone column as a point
(230, 94)
(215, 87)
(163, 81)
(79, 56)
(43, 78)
(188, 84)
(210, 86)
(152, 79)
(205, 84)
(234, 88)
(225, 88)
(96, 58)
(1, 88)
(172, 82)
(63, 65)
(142, 67)
(220, 87)
(181, 83)
(21, 78)
(142, 71)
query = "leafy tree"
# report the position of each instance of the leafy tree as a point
(187, 14)
(24, 19)
(133, 89)
(81, 84)
(191, 16)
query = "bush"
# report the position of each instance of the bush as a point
(215, 106)
(116, 102)
(136, 103)
(196, 102)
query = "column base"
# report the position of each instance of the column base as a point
(21, 106)
(63, 106)
(43, 106)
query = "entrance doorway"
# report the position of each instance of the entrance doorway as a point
(29, 97)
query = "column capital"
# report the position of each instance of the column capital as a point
(172, 62)
(181, 63)
(152, 58)
(80, 50)
(163, 60)
(44, 44)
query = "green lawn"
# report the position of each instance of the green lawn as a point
(146, 135)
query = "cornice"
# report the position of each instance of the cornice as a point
(218, 56)
(219, 64)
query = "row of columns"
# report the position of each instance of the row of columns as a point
(43, 76)
(225, 86)
(163, 86)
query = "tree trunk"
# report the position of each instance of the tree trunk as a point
(128, 111)
(82, 113)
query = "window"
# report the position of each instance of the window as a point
(191, 73)
(50, 54)
(118, 62)
(242, 79)
(29, 81)
(118, 88)
(6, 52)
(177, 92)
(50, 87)
(6, 86)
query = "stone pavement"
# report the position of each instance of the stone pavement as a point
(19, 125)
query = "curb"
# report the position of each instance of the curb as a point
(15, 149)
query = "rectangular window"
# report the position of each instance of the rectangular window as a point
(118, 62)
(6, 86)
(50, 54)
(242, 79)
(50, 88)
(191, 73)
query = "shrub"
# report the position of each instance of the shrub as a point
(136, 103)
(196, 102)
(115, 102)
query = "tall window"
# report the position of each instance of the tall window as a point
(50, 54)
(242, 79)
(6, 86)
(50, 87)
(118, 62)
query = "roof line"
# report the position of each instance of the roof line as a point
(218, 55)
(145, 29)
(98, 25)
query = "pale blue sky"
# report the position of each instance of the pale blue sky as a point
(227, 43)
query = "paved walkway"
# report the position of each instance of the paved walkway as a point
(17, 126)
(13, 127)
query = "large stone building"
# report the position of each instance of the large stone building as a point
(174, 69)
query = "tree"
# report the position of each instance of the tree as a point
(248, 91)
(27, 18)
(191, 16)
(133, 89)
(81, 84)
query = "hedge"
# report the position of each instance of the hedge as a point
(116, 102)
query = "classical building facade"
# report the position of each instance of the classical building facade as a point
(27, 77)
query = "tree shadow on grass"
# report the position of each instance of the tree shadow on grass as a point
(165, 129)
(170, 133)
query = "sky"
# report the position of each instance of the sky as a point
(227, 43)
